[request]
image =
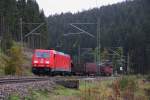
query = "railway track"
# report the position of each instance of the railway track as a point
(21, 80)
(12, 80)
(36, 79)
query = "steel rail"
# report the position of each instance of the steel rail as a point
(21, 80)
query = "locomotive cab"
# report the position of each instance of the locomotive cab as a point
(41, 61)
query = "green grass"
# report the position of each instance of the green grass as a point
(35, 95)
(14, 97)
(39, 95)
(84, 85)
(60, 90)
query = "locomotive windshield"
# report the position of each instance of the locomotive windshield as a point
(42, 54)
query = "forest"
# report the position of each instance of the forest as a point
(21, 16)
(124, 25)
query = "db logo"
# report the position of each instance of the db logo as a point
(42, 61)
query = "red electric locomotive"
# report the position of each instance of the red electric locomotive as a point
(50, 62)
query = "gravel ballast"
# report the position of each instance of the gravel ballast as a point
(24, 89)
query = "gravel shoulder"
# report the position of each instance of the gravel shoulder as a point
(24, 89)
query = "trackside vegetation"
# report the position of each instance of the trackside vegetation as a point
(124, 88)
(12, 61)
(15, 60)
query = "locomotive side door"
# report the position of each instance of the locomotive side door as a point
(54, 62)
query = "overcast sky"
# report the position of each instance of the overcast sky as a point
(51, 7)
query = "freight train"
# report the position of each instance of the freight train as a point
(52, 62)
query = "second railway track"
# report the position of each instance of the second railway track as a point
(32, 79)
(21, 80)
(36, 79)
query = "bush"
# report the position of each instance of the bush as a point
(15, 60)
(2, 63)
(126, 82)
(148, 77)
(123, 83)
(13, 97)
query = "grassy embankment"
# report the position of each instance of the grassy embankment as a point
(126, 88)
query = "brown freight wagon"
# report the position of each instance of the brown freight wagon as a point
(90, 68)
(84, 69)
(106, 70)
(78, 69)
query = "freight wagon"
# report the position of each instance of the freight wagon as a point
(92, 69)
(106, 69)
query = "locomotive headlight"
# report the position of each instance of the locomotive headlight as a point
(47, 62)
(35, 61)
